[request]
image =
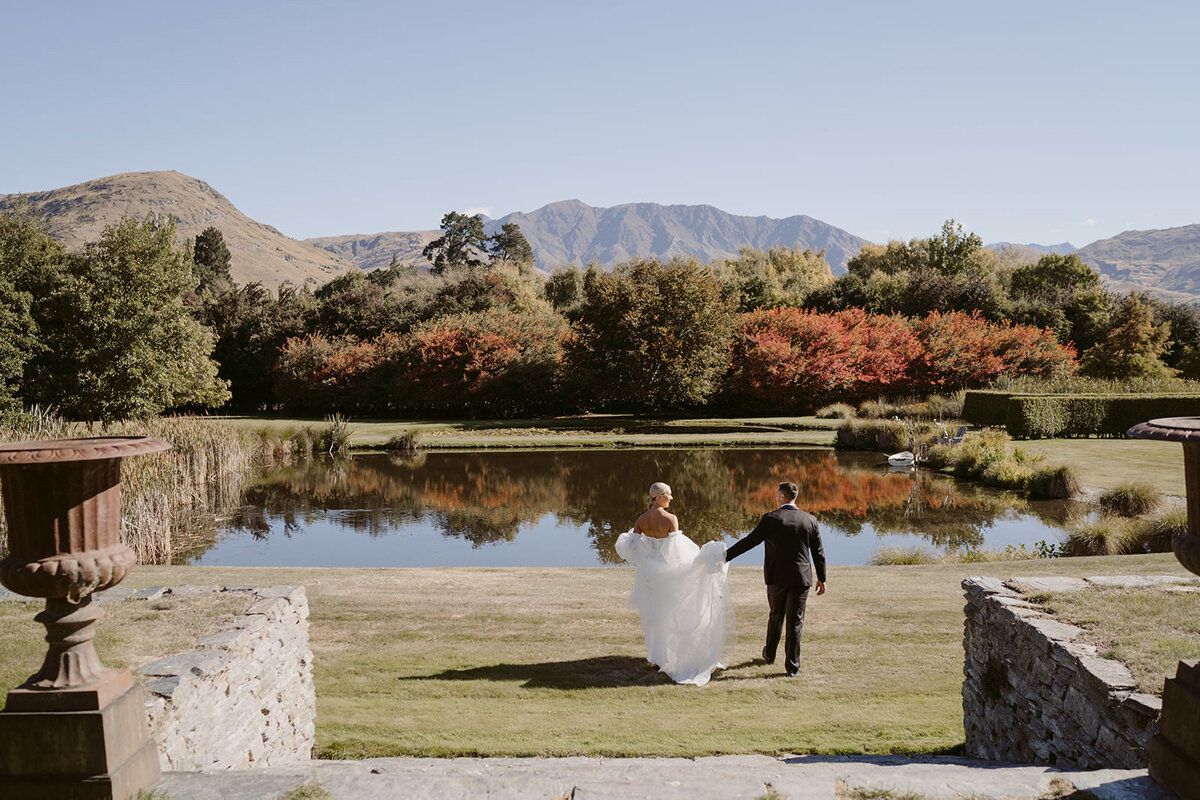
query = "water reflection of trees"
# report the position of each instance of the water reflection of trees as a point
(488, 497)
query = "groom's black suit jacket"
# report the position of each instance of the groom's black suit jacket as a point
(793, 547)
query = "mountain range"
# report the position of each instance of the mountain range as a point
(572, 232)
(1163, 262)
(77, 214)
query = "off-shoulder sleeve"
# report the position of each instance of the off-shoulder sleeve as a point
(630, 546)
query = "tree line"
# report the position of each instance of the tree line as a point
(136, 323)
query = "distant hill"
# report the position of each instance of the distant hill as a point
(573, 232)
(372, 251)
(77, 214)
(1165, 262)
(1034, 251)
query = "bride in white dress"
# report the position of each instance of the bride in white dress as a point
(681, 592)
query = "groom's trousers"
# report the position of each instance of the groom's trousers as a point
(787, 615)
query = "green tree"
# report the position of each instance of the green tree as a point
(462, 243)
(953, 252)
(509, 244)
(1134, 346)
(781, 276)
(29, 265)
(651, 336)
(564, 289)
(211, 259)
(118, 340)
(251, 327)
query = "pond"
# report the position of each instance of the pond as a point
(566, 508)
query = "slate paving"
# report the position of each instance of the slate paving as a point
(718, 778)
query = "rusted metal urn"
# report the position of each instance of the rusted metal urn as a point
(1175, 749)
(1185, 430)
(62, 502)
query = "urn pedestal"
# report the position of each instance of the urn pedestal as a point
(74, 729)
(1175, 749)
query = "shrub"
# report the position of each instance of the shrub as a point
(882, 435)
(835, 411)
(334, 437)
(1130, 499)
(972, 458)
(931, 408)
(1161, 529)
(1079, 384)
(1054, 482)
(946, 406)
(1007, 473)
(903, 556)
(965, 351)
(979, 555)
(875, 409)
(406, 443)
(491, 363)
(1050, 416)
(986, 407)
(788, 358)
(1104, 536)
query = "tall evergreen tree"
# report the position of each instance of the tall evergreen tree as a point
(462, 243)
(211, 259)
(1133, 348)
(510, 244)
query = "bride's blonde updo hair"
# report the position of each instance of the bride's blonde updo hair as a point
(656, 489)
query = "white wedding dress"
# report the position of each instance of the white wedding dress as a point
(681, 592)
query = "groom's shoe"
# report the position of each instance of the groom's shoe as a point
(768, 657)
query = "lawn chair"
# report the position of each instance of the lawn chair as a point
(957, 438)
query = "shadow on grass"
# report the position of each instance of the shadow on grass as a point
(601, 672)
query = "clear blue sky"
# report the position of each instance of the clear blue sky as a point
(1027, 121)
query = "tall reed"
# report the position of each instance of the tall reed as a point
(166, 498)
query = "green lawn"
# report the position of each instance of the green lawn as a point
(550, 661)
(600, 430)
(1104, 463)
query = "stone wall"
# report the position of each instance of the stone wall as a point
(1032, 693)
(244, 697)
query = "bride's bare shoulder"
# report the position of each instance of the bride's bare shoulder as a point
(656, 522)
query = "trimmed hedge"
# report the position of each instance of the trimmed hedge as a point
(986, 407)
(1067, 416)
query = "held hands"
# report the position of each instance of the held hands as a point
(820, 587)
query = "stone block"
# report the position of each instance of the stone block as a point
(1037, 585)
(290, 593)
(1106, 676)
(1052, 631)
(189, 590)
(225, 640)
(163, 687)
(196, 663)
(249, 622)
(149, 593)
(272, 607)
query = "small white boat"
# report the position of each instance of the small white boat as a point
(904, 458)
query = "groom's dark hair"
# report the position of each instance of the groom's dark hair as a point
(790, 490)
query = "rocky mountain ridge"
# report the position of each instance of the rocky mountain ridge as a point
(79, 213)
(1165, 262)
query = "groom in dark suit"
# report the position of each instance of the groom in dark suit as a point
(793, 550)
